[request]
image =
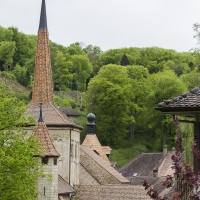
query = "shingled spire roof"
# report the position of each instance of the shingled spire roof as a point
(43, 17)
(43, 84)
(42, 91)
(41, 132)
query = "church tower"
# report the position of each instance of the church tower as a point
(47, 186)
(64, 134)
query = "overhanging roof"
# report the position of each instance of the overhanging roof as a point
(187, 104)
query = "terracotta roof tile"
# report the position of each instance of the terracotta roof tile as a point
(51, 115)
(189, 100)
(111, 192)
(92, 141)
(106, 149)
(40, 131)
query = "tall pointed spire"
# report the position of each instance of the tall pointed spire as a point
(43, 84)
(43, 17)
(42, 92)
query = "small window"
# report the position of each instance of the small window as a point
(45, 160)
(72, 147)
(55, 161)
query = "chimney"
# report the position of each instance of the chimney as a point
(155, 172)
(165, 150)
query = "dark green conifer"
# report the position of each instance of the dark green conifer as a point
(124, 61)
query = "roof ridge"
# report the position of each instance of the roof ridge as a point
(112, 171)
(92, 141)
(90, 173)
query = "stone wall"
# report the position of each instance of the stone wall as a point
(48, 186)
(97, 171)
(68, 162)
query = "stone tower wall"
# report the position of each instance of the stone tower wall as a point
(68, 162)
(48, 186)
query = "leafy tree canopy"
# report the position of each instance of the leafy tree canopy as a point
(18, 164)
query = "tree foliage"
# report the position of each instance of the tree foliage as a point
(18, 164)
(110, 95)
(123, 100)
(121, 97)
(124, 61)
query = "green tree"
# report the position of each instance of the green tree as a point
(20, 73)
(7, 50)
(124, 60)
(18, 165)
(164, 85)
(62, 77)
(191, 79)
(94, 53)
(75, 49)
(5, 34)
(138, 79)
(93, 49)
(81, 70)
(110, 95)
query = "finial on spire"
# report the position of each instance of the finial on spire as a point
(40, 119)
(91, 125)
(43, 17)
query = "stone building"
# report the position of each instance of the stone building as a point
(47, 187)
(152, 167)
(64, 134)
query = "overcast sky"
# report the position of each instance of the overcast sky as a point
(109, 23)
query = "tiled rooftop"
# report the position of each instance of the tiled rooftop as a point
(51, 115)
(69, 112)
(189, 100)
(143, 165)
(92, 141)
(111, 192)
(64, 187)
(100, 162)
(41, 133)
(106, 149)
(85, 178)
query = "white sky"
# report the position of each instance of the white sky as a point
(109, 23)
